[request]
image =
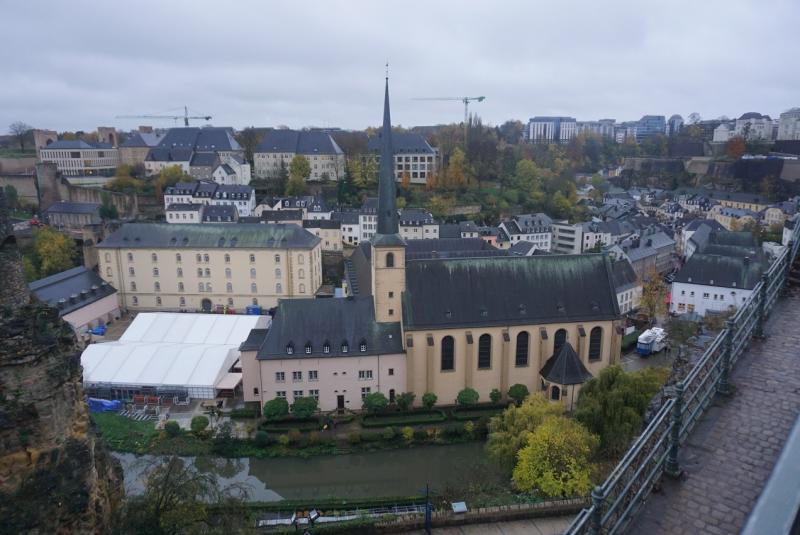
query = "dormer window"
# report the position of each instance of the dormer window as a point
(308, 348)
(326, 347)
(345, 347)
(362, 346)
(290, 348)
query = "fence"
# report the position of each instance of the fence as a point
(655, 451)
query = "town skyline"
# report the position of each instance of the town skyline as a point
(298, 68)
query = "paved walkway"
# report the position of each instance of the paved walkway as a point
(731, 452)
(534, 526)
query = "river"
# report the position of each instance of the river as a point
(401, 472)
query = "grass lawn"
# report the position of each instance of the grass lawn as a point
(124, 434)
(475, 412)
(409, 418)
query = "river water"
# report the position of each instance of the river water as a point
(402, 472)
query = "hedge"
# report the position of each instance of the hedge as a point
(285, 424)
(404, 418)
(477, 411)
(242, 413)
(629, 340)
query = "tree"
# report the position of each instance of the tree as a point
(495, 395)
(53, 251)
(304, 407)
(612, 404)
(199, 424)
(467, 397)
(249, 138)
(19, 130)
(518, 393)
(276, 408)
(172, 428)
(654, 296)
(429, 399)
(375, 402)
(736, 147)
(405, 400)
(261, 439)
(296, 187)
(555, 460)
(107, 208)
(12, 196)
(456, 175)
(299, 168)
(406, 181)
(125, 184)
(507, 430)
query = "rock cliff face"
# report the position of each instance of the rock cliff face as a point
(55, 477)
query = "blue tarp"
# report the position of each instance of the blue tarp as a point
(104, 405)
(99, 330)
(253, 310)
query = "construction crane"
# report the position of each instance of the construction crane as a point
(466, 101)
(185, 117)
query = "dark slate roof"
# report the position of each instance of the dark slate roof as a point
(468, 226)
(565, 368)
(204, 159)
(402, 143)
(521, 248)
(358, 269)
(450, 248)
(233, 191)
(170, 235)
(724, 237)
(322, 223)
(412, 217)
(208, 139)
(164, 154)
(697, 223)
(282, 215)
(508, 291)
(624, 276)
(254, 340)
(335, 321)
(184, 207)
(76, 144)
(181, 188)
(227, 169)
(723, 271)
(220, 213)
(70, 207)
(347, 218)
(141, 140)
(449, 230)
(78, 287)
(298, 141)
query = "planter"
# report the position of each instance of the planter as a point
(402, 419)
(475, 412)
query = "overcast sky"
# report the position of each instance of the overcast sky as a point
(77, 65)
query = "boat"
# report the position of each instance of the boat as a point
(651, 341)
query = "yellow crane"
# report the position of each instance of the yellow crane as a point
(185, 117)
(466, 101)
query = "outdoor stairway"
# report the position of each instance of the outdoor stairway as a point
(139, 416)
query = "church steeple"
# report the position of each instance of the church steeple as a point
(387, 189)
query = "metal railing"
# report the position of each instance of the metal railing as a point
(655, 452)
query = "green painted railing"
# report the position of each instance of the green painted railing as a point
(655, 451)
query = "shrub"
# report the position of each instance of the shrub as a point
(408, 434)
(375, 402)
(468, 396)
(405, 400)
(294, 436)
(389, 434)
(283, 440)
(172, 428)
(276, 408)
(243, 413)
(433, 433)
(313, 438)
(495, 395)
(224, 440)
(469, 429)
(518, 393)
(262, 439)
(420, 434)
(429, 399)
(354, 438)
(199, 424)
(453, 430)
(371, 437)
(304, 407)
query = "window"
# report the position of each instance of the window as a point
(252, 273)
(208, 287)
(345, 347)
(180, 272)
(280, 377)
(485, 352)
(252, 258)
(278, 288)
(200, 287)
(391, 312)
(313, 375)
(208, 272)
(131, 271)
(277, 258)
(448, 353)
(522, 349)
(182, 301)
(227, 273)
(596, 343)
(199, 272)
(135, 300)
(157, 286)
(253, 288)
(280, 394)
(227, 258)
(555, 393)
(133, 286)
(230, 301)
(302, 288)
(154, 257)
(229, 288)
(108, 257)
(290, 348)
(255, 391)
(205, 258)
(391, 294)
(277, 273)
(705, 296)
(199, 258)
(301, 273)
(314, 394)
(130, 257)
(391, 371)
(389, 260)
(559, 340)
(297, 376)
(155, 272)
(178, 257)
(308, 348)
(158, 301)
(362, 346)
(301, 259)
(108, 272)
(297, 394)
(365, 391)
(364, 374)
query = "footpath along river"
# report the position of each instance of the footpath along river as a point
(401, 472)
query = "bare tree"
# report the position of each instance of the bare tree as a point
(19, 130)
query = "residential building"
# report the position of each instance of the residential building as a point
(670, 211)
(715, 283)
(650, 125)
(294, 217)
(651, 251)
(242, 197)
(203, 164)
(413, 156)
(789, 125)
(417, 225)
(193, 147)
(220, 213)
(533, 228)
(603, 127)
(72, 216)
(732, 218)
(689, 230)
(567, 238)
(211, 193)
(234, 170)
(712, 239)
(551, 129)
(79, 158)
(351, 229)
(134, 150)
(184, 213)
(777, 214)
(200, 267)
(329, 231)
(754, 126)
(724, 132)
(628, 286)
(312, 206)
(82, 298)
(279, 147)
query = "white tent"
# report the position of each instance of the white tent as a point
(170, 351)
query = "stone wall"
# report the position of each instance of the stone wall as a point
(53, 188)
(25, 184)
(55, 476)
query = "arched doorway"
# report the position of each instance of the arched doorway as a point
(206, 305)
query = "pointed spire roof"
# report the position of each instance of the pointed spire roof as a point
(565, 368)
(387, 189)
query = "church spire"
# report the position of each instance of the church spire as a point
(387, 189)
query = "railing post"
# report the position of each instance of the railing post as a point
(596, 521)
(673, 467)
(762, 306)
(724, 386)
(789, 262)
